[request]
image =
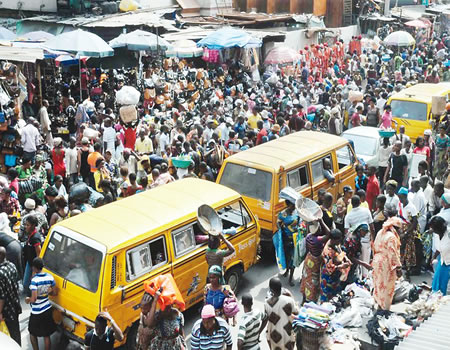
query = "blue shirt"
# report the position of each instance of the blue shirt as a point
(41, 283)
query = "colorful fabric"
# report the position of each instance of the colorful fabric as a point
(9, 290)
(217, 297)
(310, 283)
(168, 333)
(441, 163)
(386, 259)
(279, 310)
(331, 275)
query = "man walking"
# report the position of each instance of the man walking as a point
(30, 139)
(46, 123)
(10, 308)
(249, 325)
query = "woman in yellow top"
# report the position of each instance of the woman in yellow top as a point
(101, 173)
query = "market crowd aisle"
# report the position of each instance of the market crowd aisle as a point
(125, 139)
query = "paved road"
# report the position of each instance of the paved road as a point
(255, 281)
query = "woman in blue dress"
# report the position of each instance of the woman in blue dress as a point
(288, 221)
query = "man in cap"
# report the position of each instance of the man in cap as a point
(210, 332)
(30, 209)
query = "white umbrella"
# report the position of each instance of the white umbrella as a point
(399, 38)
(140, 40)
(184, 48)
(80, 42)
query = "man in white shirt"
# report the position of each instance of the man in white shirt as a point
(164, 139)
(402, 137)
(109, 136)
(46, 123)
(416, 197)
(71, 160)
(30, 139)
(224, 129)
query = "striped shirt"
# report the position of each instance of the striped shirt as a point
(220, 337)
(249, 326)
(41, 283)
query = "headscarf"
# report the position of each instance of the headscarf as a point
(364, 227)
(215, 270)
(389, 225)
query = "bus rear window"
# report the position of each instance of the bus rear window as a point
(248, 181)
(409, 110)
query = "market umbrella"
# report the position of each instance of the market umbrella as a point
(38, 35)
(6, 34)
(68, 60)
(399, 38)
(281, 54)
(140, 40)
(80, 42)
(417, 23)
(229, 37)
(184, 48)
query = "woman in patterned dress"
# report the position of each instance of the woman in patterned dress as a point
(335, 268)
(442, 145)
(167, 326)
(145, 332)
(386, 262)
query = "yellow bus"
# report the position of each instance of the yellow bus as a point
(296, 160)
(411, 107)
(101, 258)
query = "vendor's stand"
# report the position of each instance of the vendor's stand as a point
(184, 49)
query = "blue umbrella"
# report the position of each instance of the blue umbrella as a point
(6, 34)
(229, 37)
(140, 40)
(80, 42)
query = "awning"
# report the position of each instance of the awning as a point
(19, 54)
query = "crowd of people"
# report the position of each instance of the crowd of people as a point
(386, 222)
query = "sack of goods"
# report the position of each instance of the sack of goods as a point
(355, 96)
(128, 95)
(128, 114)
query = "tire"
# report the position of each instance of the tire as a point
(132, 335)
(233, 277)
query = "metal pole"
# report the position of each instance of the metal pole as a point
(387, 7)
(81, 91)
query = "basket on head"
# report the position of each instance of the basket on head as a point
(208, 220)
(308, 210)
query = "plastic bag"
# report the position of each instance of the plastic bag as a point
(128, 95)
(273, 79)
(349, 318)
(4, 328)
(230, 307)
(128, 5)
(170, 294)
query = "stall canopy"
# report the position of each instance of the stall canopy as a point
(184, 48)
(6, 34)
(229, 37)
(80, 42)
(417, 23)
(20, 54)
(399, 38)
(140, 40)
(281, 54)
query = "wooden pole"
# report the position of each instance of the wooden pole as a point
(39, 77)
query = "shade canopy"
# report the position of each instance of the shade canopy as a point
(417, 23)
(6, 34)
(229, 37)
(81, 43)
(184, 48)
(140, 40)
(38, 35)
(68, 60)
(281, 54)
(400, 38)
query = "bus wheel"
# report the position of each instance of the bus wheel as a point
(132, 337)
(233, 277)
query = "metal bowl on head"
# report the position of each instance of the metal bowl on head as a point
(308, 210)
(209, 221)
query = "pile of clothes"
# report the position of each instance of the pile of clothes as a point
(313, 316)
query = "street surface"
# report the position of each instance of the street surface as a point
(254, 281)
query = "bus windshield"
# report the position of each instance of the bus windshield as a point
(409, 110)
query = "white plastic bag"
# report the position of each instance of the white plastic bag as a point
(128, 95)
(350, 317)
(273, 79)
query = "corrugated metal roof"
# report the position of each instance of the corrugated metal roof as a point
(20, 54)
(432, 334)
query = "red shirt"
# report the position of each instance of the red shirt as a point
(130, 138)
(373, 190)
(261, 134)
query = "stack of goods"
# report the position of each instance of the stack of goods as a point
(426, 305)
(313, 316)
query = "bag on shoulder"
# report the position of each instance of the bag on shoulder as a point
(230, 306)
